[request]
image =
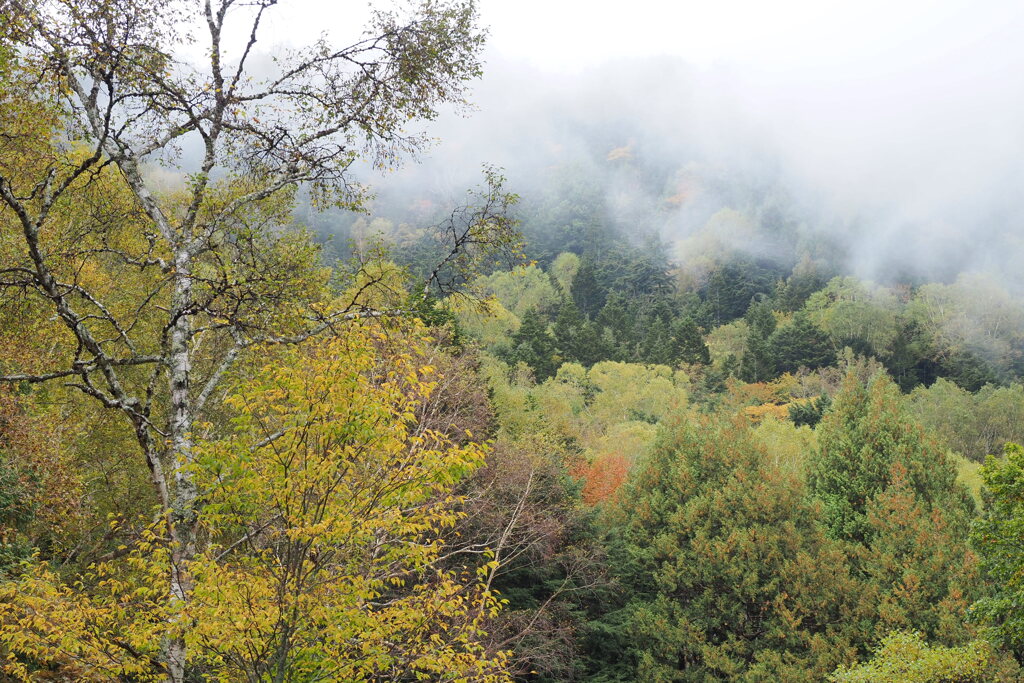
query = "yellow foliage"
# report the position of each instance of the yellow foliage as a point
(623, 153)
(610, 411)
(490, 323)
(766, 410)
(324, 506)
(788, 446)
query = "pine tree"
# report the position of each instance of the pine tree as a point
(800, 345)
(533, 344)
(586, 291)
(918, 571)
(566, 330)
(656, 347)
(890, 494)
(728, 572)
(758, 363)
(811, 412)
(578, 339)
(861, 439)
(615, 315)
(688, 342)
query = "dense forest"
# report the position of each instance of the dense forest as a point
(636, 417)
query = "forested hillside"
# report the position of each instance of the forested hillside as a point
(629, 409)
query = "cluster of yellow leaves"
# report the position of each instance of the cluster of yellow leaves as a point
(324, 504)
(905, 657)
(106, 624)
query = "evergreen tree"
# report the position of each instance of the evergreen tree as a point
(890, 494)
(615, 316)
(918, 571)
(727, 573)
(809, 413)
(800, 345)
(760, 318)
(969, 370)
(533, 344)
(731, 287)
(999, 540)
(566, 330)
(586, 291)
(910, 357)
(643, 274)
(615, 326)
(657, 347)
(577, 339)
(792, 293)
(688, 342)
(758, 363)
(864, 436)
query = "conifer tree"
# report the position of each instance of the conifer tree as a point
(728, 572)
(689, 343)
(758, 363)
(863, 438)
(577, 339)
(890, 494)
(534, 345)
(586, 291)
(800, 344)
(657, 347)
(615, 315)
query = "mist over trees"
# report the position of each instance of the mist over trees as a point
(694, 385)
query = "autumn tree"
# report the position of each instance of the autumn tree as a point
(523, 510)
(905, 657)
(325, 504)
(156, 292)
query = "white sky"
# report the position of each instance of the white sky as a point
(566, 35)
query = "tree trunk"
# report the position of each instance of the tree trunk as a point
(183, 513)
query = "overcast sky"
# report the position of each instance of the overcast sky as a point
(853, 36)
(934, 77)
(807, 35)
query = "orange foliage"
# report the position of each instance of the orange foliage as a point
(687, 189)
(603, 477)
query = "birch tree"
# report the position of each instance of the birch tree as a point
(97, 95)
